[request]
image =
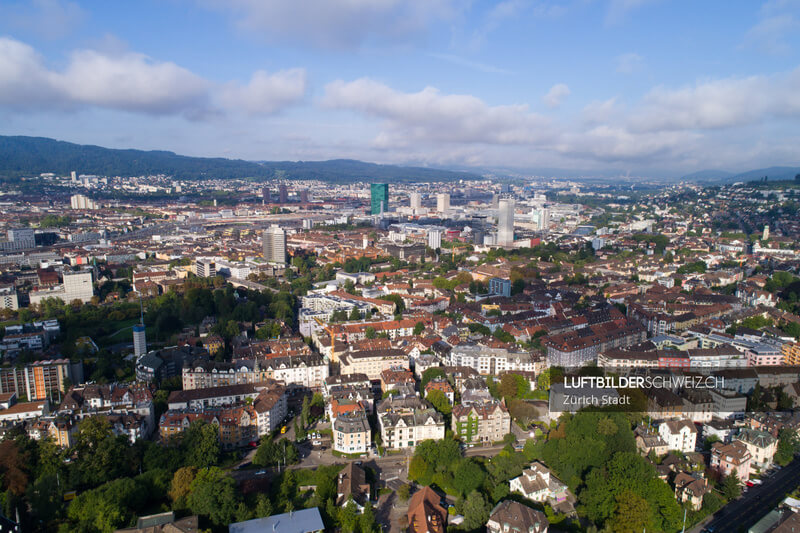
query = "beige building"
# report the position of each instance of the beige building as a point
(351, 433)
(486, 422)
(372, 362)
(405, 422)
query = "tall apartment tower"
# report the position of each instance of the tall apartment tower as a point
(139, 340)
(505, 222)
(283, 193)
(304, 196)
(765, 236)
(415, 200)
(442, 202)
(379, 198)
(265, 196)
(274, 241)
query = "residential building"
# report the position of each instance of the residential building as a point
(537, 483)
(351, 433)
(425, 513)
(500, 287)
(509, 516)
(372, 362)
(405, 422)
(727, 458)
(79, 201)
(218, 396)
(680, 435)
(690, 489)
(352, 485)
(761, 445)
(481, 422)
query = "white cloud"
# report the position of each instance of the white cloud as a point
(629, 63)
(266, 93)
(556, 95)
(430, 116)
(723, 103)
(130, 81)
(341, 24)
(777, 19)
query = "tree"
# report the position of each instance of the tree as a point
(431, 373)
(355, 314)
(468, 476)
(419, 327)
(632, 514)
(201, 441)
(513, 386)
(404, 492)
(181, 486)
(107, 507)
(788, 445)
(475, 510)
(213, 494)
(439, 401)
(369, 332)
(348, 517)
(14, 467)
(305, 412)
(731, 488)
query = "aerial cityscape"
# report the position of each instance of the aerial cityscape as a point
(503, 267)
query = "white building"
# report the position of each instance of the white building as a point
(679, 435)
(435, 239)
(79, 201)
(274, 242)
(505, 222)
(442, 202)
(415, 200)
(78, 286)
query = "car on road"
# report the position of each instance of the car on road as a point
(261, 472)
(316, 443)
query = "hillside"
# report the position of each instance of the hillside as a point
(26, 156)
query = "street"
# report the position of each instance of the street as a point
(740, 514)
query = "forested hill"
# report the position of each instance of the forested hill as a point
(25, 156)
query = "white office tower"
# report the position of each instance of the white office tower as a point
(442, 202)
(139, 340)
(542, 217)
(415, 200)
(435, 238)
(78, 286)
(364, 242)
(505, 222)
(73, 176)
(274, 241)
(765, 236)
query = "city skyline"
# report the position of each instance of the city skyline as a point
(640, 87)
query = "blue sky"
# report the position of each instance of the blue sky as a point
(644, 87)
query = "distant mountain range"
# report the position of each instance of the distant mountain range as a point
(772, 174)
(21, 156)
(25, 156)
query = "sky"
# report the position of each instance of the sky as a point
(639, 87)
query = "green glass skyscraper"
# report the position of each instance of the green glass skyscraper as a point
(380, 198)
